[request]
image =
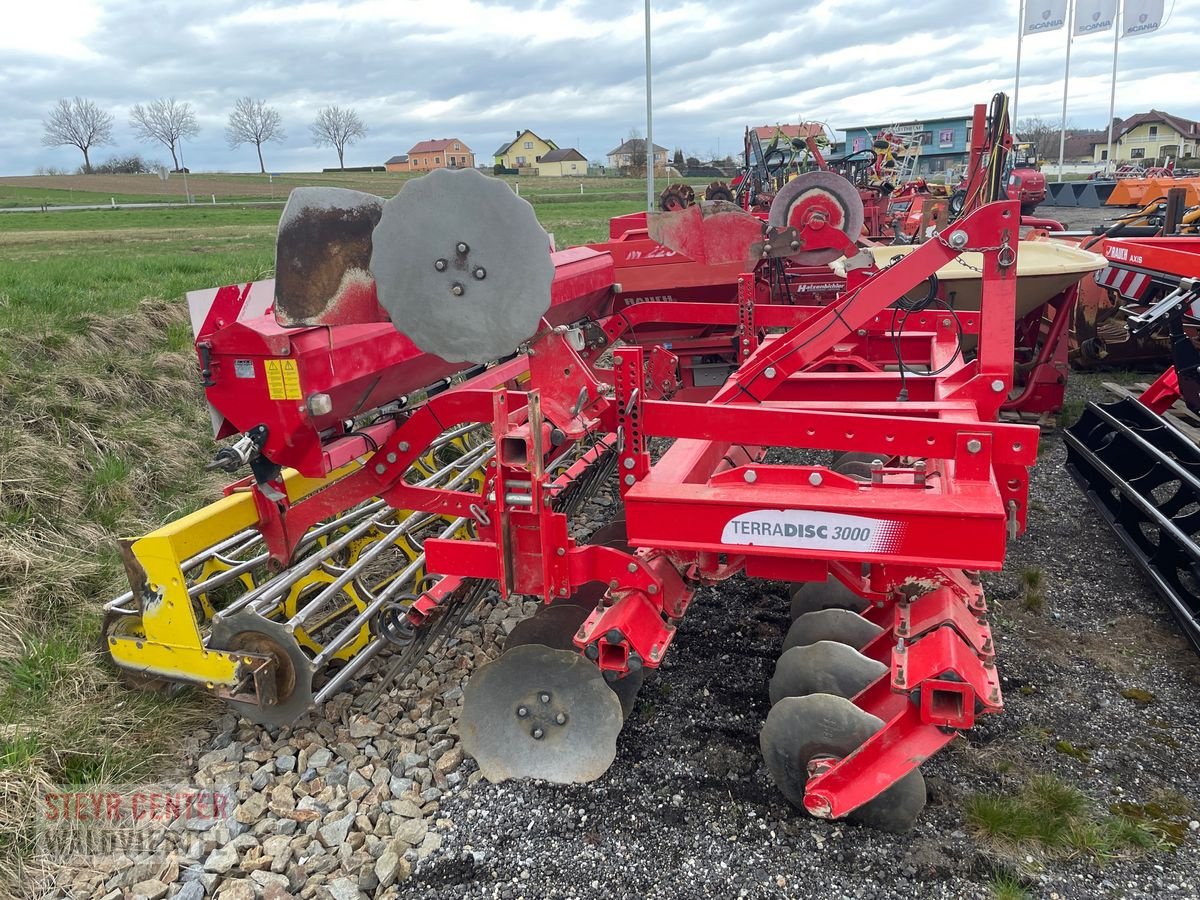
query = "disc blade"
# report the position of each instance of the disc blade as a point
(322, 257)
(293, 669)
(840, 625)
(825, 667)
(551, 626)
(540, 713)
(800, 729)
(462, 266)
(823, 194)
(829, 594)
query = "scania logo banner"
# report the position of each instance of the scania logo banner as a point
(1051, 17)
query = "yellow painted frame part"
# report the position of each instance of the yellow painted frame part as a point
(169, 642)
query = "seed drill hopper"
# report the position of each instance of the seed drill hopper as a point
(427, 393)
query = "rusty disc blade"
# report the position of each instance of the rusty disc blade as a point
(322, 257)
(294, 672)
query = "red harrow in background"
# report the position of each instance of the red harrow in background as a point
(427, 376)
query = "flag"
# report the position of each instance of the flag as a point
(1046, 15)
(1094, 15)
(1142, 16)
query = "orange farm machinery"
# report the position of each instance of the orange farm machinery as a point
(427, 392)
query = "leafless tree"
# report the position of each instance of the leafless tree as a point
(637, 152)
(338, 128)
(164, 121)
(78, 123)
(253, 122)
(1041, 132)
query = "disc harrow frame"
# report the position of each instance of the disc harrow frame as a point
(348, 421)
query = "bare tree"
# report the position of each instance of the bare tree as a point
(164, 121)
(1040, 132)
(338, 128)
(78, 123)
(253, 122)
(637, 152)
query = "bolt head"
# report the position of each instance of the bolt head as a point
(751, 476)
(462, 247)
(522, 712)
(974, 446)
(456, 290)
(632, 567)
(391, 457)
(480, 273)
(815, 479)
(958, 239)
(997, 385)
(440, 265)
(770, 372)
(537, 734)
(544, 697)
(561, 719)
(380, 468)
(629, 479)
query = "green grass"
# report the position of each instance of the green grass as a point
(1005, 886)
(108, 438)
(1057, 820)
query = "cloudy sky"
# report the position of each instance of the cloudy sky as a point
(571, 70)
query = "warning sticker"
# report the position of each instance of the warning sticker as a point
(283, 379)
(810, 530)
(243, 368)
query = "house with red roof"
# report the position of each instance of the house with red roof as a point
(444, 153)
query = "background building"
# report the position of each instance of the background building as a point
(526, 149)
(558, 163)
(633, 153)
(397, 163)
(445, 153)
(943, 141)
(1149, 136)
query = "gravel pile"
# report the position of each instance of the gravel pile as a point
(373, 796)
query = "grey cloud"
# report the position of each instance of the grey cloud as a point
(717, 67)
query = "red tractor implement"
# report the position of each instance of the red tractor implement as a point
(427, 394)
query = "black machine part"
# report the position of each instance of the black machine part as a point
(1143, 475)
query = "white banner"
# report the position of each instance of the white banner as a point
(1094, 15)
(1045, 15)
(1142, 16)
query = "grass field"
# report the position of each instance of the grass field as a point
(35, 191)
(107, 437)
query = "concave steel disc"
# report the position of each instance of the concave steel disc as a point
(799, 730)
(552, 626)
(294, 672)
(462, 266)
(825, 667)
(820, 194)
(322, 253)
(540, 713)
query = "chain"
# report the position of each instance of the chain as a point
(1007, 255)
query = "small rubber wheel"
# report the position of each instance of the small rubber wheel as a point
(825, 667)
(810, 596)
(801, 729)
(839, 625)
